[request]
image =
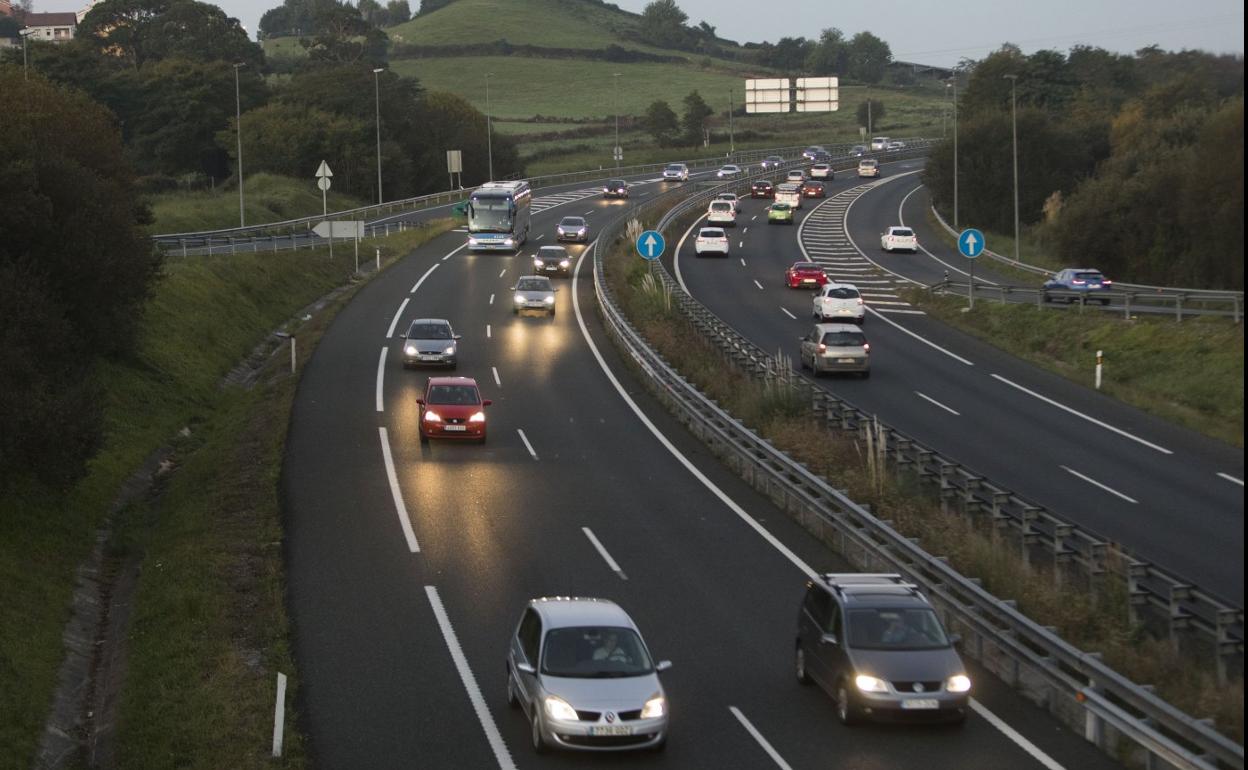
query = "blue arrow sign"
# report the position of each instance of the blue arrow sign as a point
(971, 243)
(650, 244)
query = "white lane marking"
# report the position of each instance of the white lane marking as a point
(527, 445)
(1096, 483)
(603, 553)
(497, 381)
(902, 220)
(538, 238)
(397, 493)
(759, 285)
(491, 299)
(754, 217)
(381, 376)
(487, 331)
(423, 277)
(680, 278)
(903, 312)
(929, 399)
(495, 738)
(786, 312)
(743, 262)
(757, 736)
(745, 230)
(740, 244)
(587, 213)
(689, 466)
(502, 272)
(924, 340)
(397, 314)
(1079, 414)
(1231, 479)
(1015, 736)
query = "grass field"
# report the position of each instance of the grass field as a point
(266, 197)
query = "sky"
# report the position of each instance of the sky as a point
(930, 32)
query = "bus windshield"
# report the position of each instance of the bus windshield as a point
(489, 215)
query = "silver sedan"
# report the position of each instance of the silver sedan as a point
(534, 294)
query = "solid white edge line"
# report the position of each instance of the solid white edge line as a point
(757, 736)
(929, 399)
(397, 493)
(602, 551)
(497, 381)
(689, 466)
(1014, 735)
(902, 220)
(397, 315)
(426, 275)
(680, 279)
(1231, 478)
(918, 337)
(279, 715)
(759, 285)
(381, 378)
(1079, 414)
(501, 754)
(527, 445)
(1096, 483)
(786, 312)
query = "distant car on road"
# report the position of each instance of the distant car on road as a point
(430, 341)
(897, 238)
(728, 171)
(821, 157)
(580, 672)
(1081, 281)
(839, 302)
(534, 293)
(676, 172)
(822, 171)
(796, 175)
(857, 151)
(730, 197)
(722, 213)
(868, 167)
(574, 229)
(779, 214)
(812, 151)
(804, 275)
(879, 143)
(452, 407)
(711, 240)
(552, 259)
(615, 188)
(813, 189)
(762, 189)
(771, 162)
(836, 347)
(895, 146)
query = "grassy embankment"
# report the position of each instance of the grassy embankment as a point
(209, 628)
(266, 198)
(1093, 622)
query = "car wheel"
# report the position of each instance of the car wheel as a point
(960, 719)
(799, 665)
(535, 732)
(423, 438)
(513, 699)
(814, 365)
(845, 713)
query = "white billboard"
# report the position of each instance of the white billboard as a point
(818, 94)
(767, 95)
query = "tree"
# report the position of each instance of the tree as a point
(663, 24)
(868, 57)
(661, 123)
(789, 54)
(830, 55)
(870, 116)
(399, 11)
(344, 36)
(75, 269)
(694, 121)
(450, 122)
(139, 31)
(429, 6)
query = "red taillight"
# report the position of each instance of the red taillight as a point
(1078, 282)
(1106, 282)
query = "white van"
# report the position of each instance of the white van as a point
(879, 143)
(868, 167)
(721, 213)
(790, 193)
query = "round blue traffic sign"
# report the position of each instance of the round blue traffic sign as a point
(650, 244)
(971, 243)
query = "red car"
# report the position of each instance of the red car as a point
(804, 274)
(452, 407)
(813, 189)
(762, 189)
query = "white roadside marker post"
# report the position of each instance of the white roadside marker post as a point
(1099, 361)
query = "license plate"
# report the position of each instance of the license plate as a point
(457, 427)
(920, 703)
(431, 358)
(849, 361)
(808, 280)
(611, 730)
(536, 304)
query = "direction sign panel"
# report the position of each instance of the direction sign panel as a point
(971, 243)
(454, 161)
(817, 94)
(650, 244)
(767, 95)
(339, 229)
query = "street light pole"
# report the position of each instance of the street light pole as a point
(732, 142)
(25, 33)
(377, 102)
(615, 97)
(1014, 127)
(489, 127)
(238, 125)
(955, 151)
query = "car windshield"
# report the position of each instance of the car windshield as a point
(1090, 276)
(489, 214)
(454, 395)
(675, 167)
(552, 252)
(427, 331)
(780, 207)
(616, 183)
(708, 233)
(844, 339)
(572, 222)
(721, 206)
(896, 629)
(867, 164)
(903, 233)
(533, 284)
(842, 292)
(805, 266)
(595, 652)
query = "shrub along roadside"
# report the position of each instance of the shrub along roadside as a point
(268, 198)
(1098, 623)
(1190, 373)
(205, 315)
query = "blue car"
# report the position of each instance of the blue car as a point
(1079, 281)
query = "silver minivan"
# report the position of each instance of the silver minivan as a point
(581, 673)
(836, 347)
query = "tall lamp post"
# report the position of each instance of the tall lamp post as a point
(615, 97)
(954, 84)
(1014, 127)
(732, 142)
(25, 33)
(238, 125)
(377, 109)
(489, 128)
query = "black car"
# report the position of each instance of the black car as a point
(615, 188)
(821, 157)
(762, 189)
(552, 259)
(771, 161)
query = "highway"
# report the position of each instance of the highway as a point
(408, 565)
(1172, 496)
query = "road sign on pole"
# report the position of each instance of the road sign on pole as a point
(340, 229)
(971, 243)
(323, 176)
(618, 154)
(650, 244)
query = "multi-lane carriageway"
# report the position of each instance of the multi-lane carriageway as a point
(408, 565)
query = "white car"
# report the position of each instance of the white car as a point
(899, 238)
(796, 175)
(821, 171)
(730, 197)
(895, 146)
(839, 302)
(722, 213)
(711, 240)
(676, 172)
(728, 172)
(868, 167)
(879, 143)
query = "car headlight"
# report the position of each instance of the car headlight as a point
(478, 417)
(581, 231)
(472, 241)
(432, 416)
(550, 300)
(450, 350)
(410, 350)
(654, 708)
(509, 242)
(538, 263)
(958, 683)
(606, 189)
(519, 299)
(564, 263)
(559, 230)
(870, 684)
(558, 708)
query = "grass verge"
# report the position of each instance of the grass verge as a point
(205, 315)
(1200, 385)
(267, 197)
(1092, 622)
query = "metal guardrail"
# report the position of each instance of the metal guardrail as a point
(1137, 289)
(1074, 684)
(1118, 300)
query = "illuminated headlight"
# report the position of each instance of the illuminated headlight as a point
(558, 708)
(450, 351)
(559, 230)
(606, 189)
(519, 299)
(958, 683)
(550, 300)
(870, 684)
(538, 263)
(654, 708)
(564, 263)
(410, 350)
(581, 231)
(478, 417)
(432, 417)
(509, 242)
(473, 241)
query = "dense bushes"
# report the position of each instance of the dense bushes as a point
(613, 53)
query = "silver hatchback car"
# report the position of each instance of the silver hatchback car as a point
(836, 347)
(582, 675)
(430, 341)
(535, 294)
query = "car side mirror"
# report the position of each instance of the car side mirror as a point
(526, 668)
(662, 665)
(556, 290)
(403, 336)
(486, 402)
(955, 639)
(828, 639)
(511, 288)
(420, 401)
(457, 336)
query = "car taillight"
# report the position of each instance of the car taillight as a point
(1078, 282)
(1106, 282)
